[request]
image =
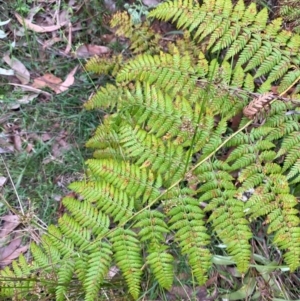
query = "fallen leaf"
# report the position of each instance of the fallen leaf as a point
(3, 180)
(150, 3)
(85, 51)
(69, 45)
(60, 145)
(9, 248)
(47, 80)
(67, 83)
(8, 260)
(31, 89)
(45, 137)
(29, 147)
(4, 22)
(21, 72)
(17, 141)
(10, 223)
(7, 72)
(27, 98)
(5, 147)
(3, 35)
(11, 251)
(110, 5)
(36, 28)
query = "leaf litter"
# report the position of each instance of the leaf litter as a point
(10, 240)
(50, 25)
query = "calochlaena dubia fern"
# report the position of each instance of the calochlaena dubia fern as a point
(169, 161)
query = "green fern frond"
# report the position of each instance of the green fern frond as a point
(290, 12)
(245, 32)
(104, 65)
(98, 264)
(65, 275)
(187, 219)
(153, 230)
(87, 215)
(227, 215)
(128, 178)
(142, 37)
(127, 254)
(103, 98)
(168, 146)
(110, 200)
(172, 73)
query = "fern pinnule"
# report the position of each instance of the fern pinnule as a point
(87, 215)
(257, 105)
(98, 264)
(127, 254)
(110, 200)
(153, 230)
(227, 215)
(143, 39)
(187, 219)
(105, 65)
(65, 275)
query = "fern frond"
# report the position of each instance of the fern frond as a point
(152, 230)
(227, 215)
(104, 65)
(110, 200)
(87, 215)
(187, 218)
(98, 263)
(172, 73)
(129, 178)
(65, 274)
(127, 254)
(142, 37)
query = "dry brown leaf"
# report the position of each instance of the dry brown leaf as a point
(67, 83)
(20, 70)
(50, 42)
(64, 16)
(10, 223)
(47, 80)
(45, 137)
(17, 141)
(85, 51)
(36, 28)
(11, 251)
(8, 260)
(5, 146)
(31, 89)
(60, 145)
(10, 247)
(69, 45)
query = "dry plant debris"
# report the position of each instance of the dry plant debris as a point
(10, 241)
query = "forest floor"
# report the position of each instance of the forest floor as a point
(43, 128)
